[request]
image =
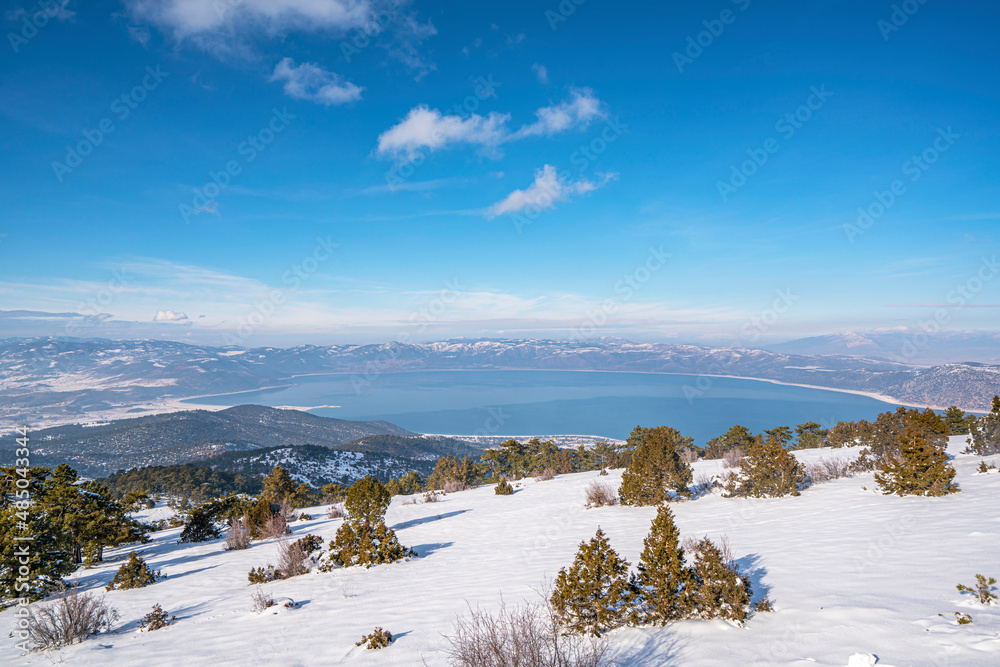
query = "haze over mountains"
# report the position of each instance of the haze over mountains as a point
(50, 381)
(906, 346)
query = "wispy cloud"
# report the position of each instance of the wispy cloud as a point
(426, 128)
(548, 188)
(541, 72)
(311, 82)
(574, 114)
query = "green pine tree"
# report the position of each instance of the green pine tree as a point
(199, 527)
(134, 573)
(663, 581)
(655, 467)
(767, 470)
(719, 590)
(737, 437)
(278, 486)
(364, 539)
(594, 594)
(921, 468)
(985, 432)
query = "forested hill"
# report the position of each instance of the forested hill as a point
(99, 449)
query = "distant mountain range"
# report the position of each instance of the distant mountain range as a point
(903, 346)
(48, 381)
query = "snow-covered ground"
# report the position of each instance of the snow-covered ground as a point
(848, 570)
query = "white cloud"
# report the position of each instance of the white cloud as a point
(541, 72)
(168, 316)
(576, 113)
(429, 128)
(191, 18)
(548, 188)
(311, 82)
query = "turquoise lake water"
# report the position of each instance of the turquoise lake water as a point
(561, 402)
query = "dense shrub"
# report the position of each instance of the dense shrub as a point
(880, 439)
(719, 589)
(503, 488)
(656, 472)
(919, 468)
(134, 573)
(262, 575)
(376, 640)
(593, 595)
(199, 527)
(767, 470)
(71, 618)
(156, 619)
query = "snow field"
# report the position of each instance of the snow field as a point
(847, 569)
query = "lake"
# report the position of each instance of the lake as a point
(606, 404)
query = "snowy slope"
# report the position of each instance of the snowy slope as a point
(848, 570)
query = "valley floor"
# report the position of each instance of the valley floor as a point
(847, 569)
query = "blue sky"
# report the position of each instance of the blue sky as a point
(501, 169)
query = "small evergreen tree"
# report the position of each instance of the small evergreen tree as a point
(737, 437)
(920, 468)
(503, 488)
(199, 527)
(810, 435)
(134, 573)
(594, 594)
(656, 467)
(985, 432)
(957, 421)
(364, 539)
(367, 501)
(278, 486)
(719, 590)
(767, 470)
(663, 582)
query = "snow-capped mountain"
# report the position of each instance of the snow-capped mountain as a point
(45, 381)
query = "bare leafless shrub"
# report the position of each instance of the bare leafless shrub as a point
(291, 559)
(454, 486)
(431, 497)
(337, 511)
(238, 535)
(825, 470)
(276, 526)
(688, 455)
(732, 458)
(286, 510)
(70, 618)
(546, 475)
(525, 636)
(261, 600)
(600, 494)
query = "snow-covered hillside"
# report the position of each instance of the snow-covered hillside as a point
(848, 570)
